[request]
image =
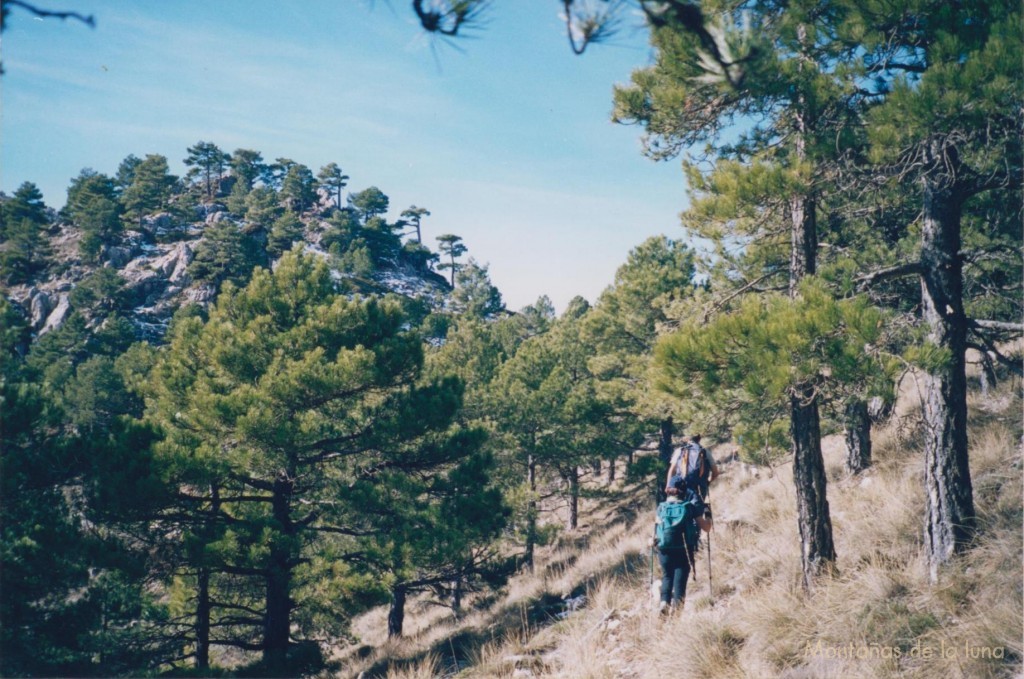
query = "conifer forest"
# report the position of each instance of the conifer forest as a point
(246, 406)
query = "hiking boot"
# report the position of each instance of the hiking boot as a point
(664, 609)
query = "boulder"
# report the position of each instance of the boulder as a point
(173, 264)
(117, 256)
(159, 223)
(40, 306)
(56, 318)
(201, 294)
(215, 217)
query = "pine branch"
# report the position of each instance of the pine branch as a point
(89, 20)
(867, 280)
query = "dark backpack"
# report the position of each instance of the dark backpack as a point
(697, 479)
(675, 526)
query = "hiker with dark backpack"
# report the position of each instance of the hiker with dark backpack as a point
(694, 464)
(677, 529)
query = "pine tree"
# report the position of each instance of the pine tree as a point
(451, 246)
(768, 188)
(301, 410)
(93, 207)
(247, 166)
(285, 232)
(298, 187)
(224, 254)
(208, 161)
(413, 216)
(26, 203)
(475, 295)
(334, 180)
(369, 203)
(150, 188)
(925, 70)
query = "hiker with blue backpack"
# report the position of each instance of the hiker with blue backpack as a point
(680, 519)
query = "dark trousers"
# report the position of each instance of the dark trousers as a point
(675, 571)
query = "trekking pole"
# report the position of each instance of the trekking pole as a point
(711, 594)
(711, 591)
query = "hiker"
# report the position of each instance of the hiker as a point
(694, 464)
(679, 522)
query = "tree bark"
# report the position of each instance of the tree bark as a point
(817, 550)
(573, 476)
(665, 440)
(857, 433)
(531, 512)
(277, 624)
(457, 595)
(665, 455)
(950, 504)
(203, 594)
(396, 614)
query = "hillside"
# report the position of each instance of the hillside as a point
(156, 267)
(587, 612)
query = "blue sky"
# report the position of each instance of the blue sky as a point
(505, 137)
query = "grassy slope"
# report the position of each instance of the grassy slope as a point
(865, 622)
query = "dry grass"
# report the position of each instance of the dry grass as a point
(877, 617)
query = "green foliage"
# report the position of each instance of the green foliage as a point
(25, 204)
(101, 294)
(474, 294)
(262, 209)
(150, 187)
(298, 187)
(72, 598)
(382, 241)
(224, 254)
(94, 208)
(334, 180)
(292, 399)
(247, 166)
(450, 246)
(25, 253)
(752, 361)
(285, 232)
(208, 161)
(369, 203)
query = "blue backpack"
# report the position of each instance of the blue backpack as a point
(675, 526)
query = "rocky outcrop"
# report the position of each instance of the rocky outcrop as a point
(174, 264)
(40, 306)
(57, 317)
(201, 294)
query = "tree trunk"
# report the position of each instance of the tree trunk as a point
(595, 465)
(457, 596)
(816, 546)
(665, 455)
(857, 433)
(203, 594)
(611, 471)
(817, 550)
(950, 503)
(987, 374)
(396, 614)
(574, 497)
(531, 512)
(665, 440)
(277, 624)
(203, 619)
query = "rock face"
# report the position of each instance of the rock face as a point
(153, 260)
(58, 315)
(40, 306)
(174, 264)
